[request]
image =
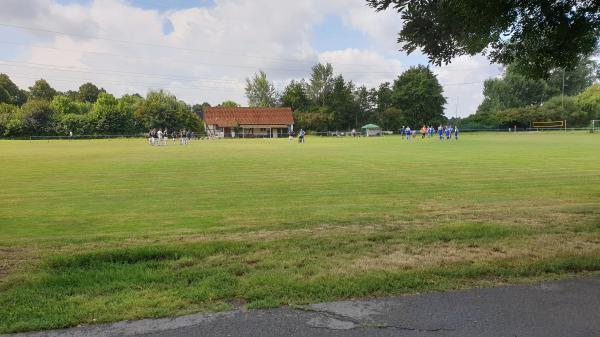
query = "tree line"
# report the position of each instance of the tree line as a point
(324, 101)
(42, 110)
(517, 99)
(327, 101)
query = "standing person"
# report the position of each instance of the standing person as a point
(165, 137)
(407, 133)
(189, 135)
(353, 133)
(301, 136)
(423, 132)
(456, 133)
(448, 132)
(174, 136)
(402, 130)
(441, 132)
(160, 136)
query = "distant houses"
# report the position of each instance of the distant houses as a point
(248, 122)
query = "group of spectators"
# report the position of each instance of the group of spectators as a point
(161, 137)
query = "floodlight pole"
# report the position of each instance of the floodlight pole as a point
(562, 96)
(456, 108)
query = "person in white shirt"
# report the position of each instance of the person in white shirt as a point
(160, 136)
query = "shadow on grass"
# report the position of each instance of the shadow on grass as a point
(467, 232)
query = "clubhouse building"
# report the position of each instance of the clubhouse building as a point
(248, 122)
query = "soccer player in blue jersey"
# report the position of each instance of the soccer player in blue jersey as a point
(448, 131)
(456, 133)
(407, 132)
(441, 132)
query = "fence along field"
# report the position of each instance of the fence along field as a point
(106, 230)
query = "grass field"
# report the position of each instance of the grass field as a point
(97, 231)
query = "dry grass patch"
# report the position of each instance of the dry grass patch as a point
(543, 246)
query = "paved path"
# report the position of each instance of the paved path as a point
(553, 309)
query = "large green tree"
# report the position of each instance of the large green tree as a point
(228, 104)
(514, 90)
(419, 95)
(260, 92)
(37, 117)
(294, 96)
(63, 105)
(10, 92)
(109, 119)
(364, 104)
(381, 98)
(128, 105)
(589, 102)
(162, 110)
(343, 105)
(538, 35)
(392, 119)
(88, 92)
(7, 114)
(320, 84)
(574, 80)
(41, 90)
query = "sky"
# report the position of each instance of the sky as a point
(203, 50)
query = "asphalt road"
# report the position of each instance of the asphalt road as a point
(568, 308)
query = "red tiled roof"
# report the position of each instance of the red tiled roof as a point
(231, 117)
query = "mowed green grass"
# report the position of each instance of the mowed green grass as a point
(99, 231)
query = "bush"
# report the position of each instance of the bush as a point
(589, 102)
(37, 117)
(78, 124)
(7, 113)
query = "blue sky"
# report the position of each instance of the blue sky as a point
(332, 34)
(203, 50)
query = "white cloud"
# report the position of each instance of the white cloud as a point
(363, 66)
(463, 83)
(381, 27)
